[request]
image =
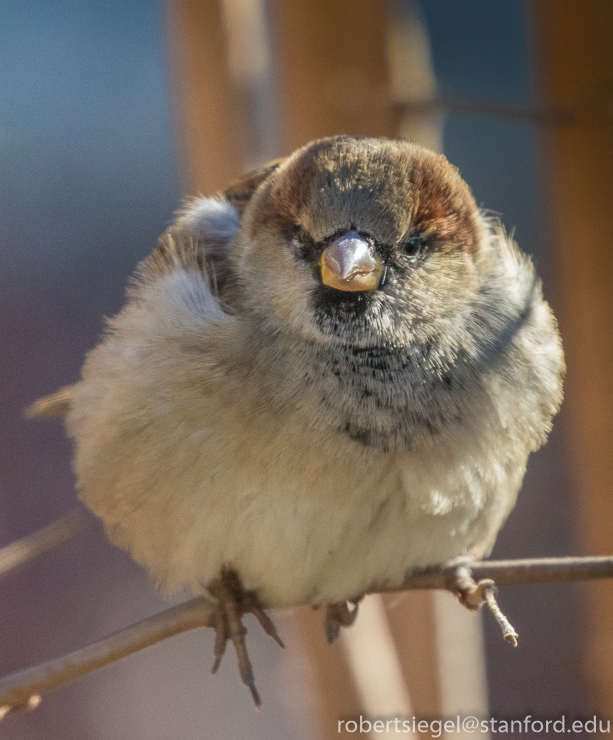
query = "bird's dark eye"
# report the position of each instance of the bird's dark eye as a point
(304, 245)
(416, 244)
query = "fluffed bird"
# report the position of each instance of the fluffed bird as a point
(327, 377)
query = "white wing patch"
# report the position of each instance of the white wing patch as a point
(209, 218)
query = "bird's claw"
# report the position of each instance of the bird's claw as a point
(474, 596)
(232, 603)
(339, 615)
(471, 595)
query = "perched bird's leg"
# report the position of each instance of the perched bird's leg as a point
(339, 615)
(233, 603)
(470, 594)
(473, 595)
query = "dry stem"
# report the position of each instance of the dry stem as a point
(20, 690)
(17, 689)
(54, 534)
(596, 114)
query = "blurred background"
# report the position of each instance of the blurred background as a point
(111, 112)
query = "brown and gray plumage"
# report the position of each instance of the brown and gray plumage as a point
(326, 378)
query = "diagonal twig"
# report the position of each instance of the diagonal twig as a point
(54, 534)
(22, 690)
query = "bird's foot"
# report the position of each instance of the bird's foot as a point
(233, 603)
(473, 595)
(339, 615)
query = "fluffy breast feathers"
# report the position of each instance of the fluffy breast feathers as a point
(207, 436)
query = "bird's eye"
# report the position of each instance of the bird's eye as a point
(304, 245)
(416, 244)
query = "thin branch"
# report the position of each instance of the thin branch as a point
(17, 689)
(508, 632)
(22, 690)
(598, 113)
(54, 534)
(512, 572)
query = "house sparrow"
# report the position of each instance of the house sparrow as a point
(329, 376)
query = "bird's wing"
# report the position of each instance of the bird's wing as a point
(240, 192)
(198, 239)
(200, 236)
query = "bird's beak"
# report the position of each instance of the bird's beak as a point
(349, 263)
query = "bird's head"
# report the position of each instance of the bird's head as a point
(359, 240)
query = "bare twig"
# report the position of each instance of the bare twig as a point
(595, 114)
(473, 595)
(508, 632)
(16, 690)
(55, 404)
(48, 537)
(511, 572)
(21, 690)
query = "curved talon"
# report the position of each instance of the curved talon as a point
(475, 595)
(470, 594)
